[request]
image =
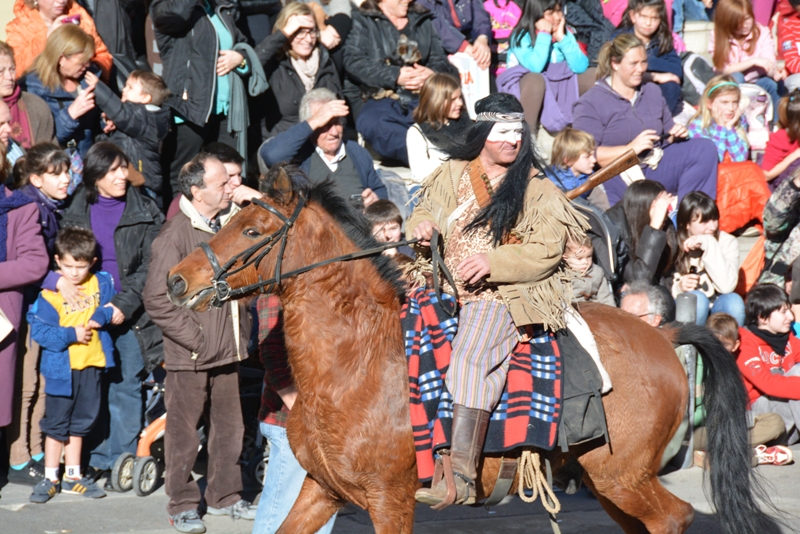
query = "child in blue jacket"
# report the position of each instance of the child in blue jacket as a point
(75, 352)
(572, 159)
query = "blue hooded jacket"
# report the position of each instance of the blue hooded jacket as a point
(81, 130)
(55, 340)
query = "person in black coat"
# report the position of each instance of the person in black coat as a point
(140, 123)
(642, 216)
(116, 212)
(387, 73)
(198, 59)
(295, 62)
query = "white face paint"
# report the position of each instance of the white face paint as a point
(508, 132)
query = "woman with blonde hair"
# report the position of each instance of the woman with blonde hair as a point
(57, 77)
(624, 113)
(742, 191)
(719, 118)
(440, 115)
(35, 20)
(295, 62)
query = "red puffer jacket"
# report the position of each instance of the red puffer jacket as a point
(742, 193)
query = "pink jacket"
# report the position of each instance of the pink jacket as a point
(765, 48)
(26, 263)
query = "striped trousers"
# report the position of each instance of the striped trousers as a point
(482, 346)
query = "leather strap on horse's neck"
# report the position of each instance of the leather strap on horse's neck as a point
(483, 191)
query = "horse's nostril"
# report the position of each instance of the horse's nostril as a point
(176, 285)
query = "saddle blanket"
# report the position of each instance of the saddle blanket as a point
(529, 410)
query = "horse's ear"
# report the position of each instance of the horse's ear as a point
(282, 183)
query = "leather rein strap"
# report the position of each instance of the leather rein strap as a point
(257, 252)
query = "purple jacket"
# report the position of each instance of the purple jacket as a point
(612, 120)
(26, 263)
(473, 21)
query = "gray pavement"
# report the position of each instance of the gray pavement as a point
(581, 514)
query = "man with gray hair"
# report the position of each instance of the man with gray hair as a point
(648, 303)
(317, 144)
(202, 352)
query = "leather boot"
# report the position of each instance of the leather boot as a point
(468, 435)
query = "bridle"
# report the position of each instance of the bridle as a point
(254, 254)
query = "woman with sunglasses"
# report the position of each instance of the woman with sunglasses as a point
(295, 62)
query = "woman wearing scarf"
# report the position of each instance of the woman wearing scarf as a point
(23, 261)
(42, 174)
(295, 62)
(440, 118)
(31, 119)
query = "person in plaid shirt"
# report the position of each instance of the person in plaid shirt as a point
(720, 119)
(285, 475)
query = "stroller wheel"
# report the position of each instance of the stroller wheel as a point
(146, 476)
(257, 466)
(122, 472)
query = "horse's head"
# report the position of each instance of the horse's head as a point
(228, 265)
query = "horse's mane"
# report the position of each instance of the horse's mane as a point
(354, 224)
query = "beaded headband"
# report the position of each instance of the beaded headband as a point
(721, 84)
(493, 116)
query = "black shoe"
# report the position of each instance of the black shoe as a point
(108, 486)
(30, 475)
(96, 474)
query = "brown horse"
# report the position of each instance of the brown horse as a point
(350, 426)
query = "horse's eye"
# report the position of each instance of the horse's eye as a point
(252, 232)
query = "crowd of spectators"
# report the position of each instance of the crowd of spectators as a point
(147, 125)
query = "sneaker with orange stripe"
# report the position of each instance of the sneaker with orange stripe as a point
(45, 490)
(85, 486)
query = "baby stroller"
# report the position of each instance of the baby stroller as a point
(143, 472)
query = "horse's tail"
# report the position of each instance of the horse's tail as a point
(729, 450)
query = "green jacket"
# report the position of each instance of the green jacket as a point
(530, 276)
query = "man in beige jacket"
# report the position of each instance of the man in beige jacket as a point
(505, 228)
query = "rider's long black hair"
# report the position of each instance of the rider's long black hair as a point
(501, 215)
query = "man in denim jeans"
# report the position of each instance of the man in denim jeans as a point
(284, 475)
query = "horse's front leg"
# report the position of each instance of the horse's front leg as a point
(392, 511)
(312, 509)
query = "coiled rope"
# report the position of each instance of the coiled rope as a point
(531, 476)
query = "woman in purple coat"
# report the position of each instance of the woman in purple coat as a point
(623, 113)
(23, 261)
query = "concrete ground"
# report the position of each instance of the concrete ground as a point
(581, 514)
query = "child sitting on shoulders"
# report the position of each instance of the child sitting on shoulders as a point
(73, 360)
(573, 159)
(588, 282)
(139, 122)
(387, 226)
(763, 428)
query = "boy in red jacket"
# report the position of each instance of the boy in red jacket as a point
(769, 356)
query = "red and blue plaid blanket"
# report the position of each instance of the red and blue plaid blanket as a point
(528, 412)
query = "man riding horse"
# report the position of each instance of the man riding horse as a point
(505, 228)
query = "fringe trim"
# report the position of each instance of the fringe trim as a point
(548, 297)
(415, 271)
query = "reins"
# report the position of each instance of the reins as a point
(254, 254)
